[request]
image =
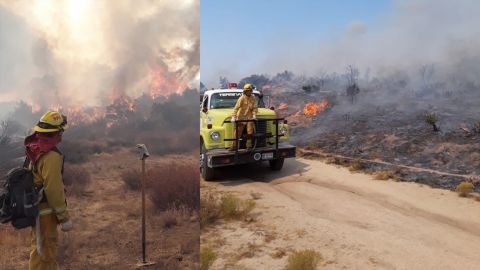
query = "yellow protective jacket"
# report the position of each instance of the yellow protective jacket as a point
(48, 173)
(246, 107)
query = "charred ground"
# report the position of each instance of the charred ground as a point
(386, 118)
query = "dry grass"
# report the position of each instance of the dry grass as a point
(207, 257)
(209, 209)
(235, 208)
(278, 254)
(248, 251)
(76, 179)
(170, 218)
(384, 175)
(12, 243)
(464, 189)
(227, 206)
(174, 185)
(356, 165)
(132, 179)
(303, 260)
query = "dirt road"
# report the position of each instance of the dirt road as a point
(354, 221)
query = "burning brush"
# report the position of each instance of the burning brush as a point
(313, 109)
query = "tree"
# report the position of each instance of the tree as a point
(352, 77)
(223, 82)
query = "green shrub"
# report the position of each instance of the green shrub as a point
(464, 189)
(303, 260)
(431, 118)
(207, 257)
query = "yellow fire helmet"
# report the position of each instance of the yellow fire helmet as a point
(248, 87)
(51, 121)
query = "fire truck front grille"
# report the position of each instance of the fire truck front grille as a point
(261, 131)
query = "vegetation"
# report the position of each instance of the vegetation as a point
(356, 165)
(76, 179)
(476, 127)
(174, 185)
(303, 260)
(207, 257)
(169, 185)
(209, 209)
(235, 208)
(227, 207)
(431, 118)
(384, 175)
(464, 189)
(132, 179)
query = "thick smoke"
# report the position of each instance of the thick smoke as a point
(89, 53)
(412, 34)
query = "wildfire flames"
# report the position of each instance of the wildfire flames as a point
(283, 106)
(164, 83)
(312, 109)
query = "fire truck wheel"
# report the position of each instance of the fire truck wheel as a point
(206, 172)
(276, 164)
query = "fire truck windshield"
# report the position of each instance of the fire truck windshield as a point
(228, 100)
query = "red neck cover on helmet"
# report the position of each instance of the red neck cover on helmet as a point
(38, 144)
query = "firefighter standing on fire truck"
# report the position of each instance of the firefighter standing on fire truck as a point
(246, 108)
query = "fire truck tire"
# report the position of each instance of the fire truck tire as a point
(276, 164)
(206, 172)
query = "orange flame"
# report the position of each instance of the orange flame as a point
(164, 83)
(283, 106)
(313, 109)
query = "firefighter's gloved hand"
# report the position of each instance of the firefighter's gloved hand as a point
(233, 119)
(67, 226)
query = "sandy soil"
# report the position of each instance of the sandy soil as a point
(354, 221)
(107, 226)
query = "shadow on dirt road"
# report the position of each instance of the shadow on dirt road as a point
(257, 172)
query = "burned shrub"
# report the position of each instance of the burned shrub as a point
(431, 118)
(352, 91)
(174, 185)
(76, 179)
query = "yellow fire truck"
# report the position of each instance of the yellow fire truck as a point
(217, 133)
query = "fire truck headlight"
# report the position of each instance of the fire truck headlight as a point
(283, 130)
(215, 135)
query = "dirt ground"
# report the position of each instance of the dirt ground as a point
(354, 221)
(107, 226)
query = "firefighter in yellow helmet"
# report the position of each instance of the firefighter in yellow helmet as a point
(46, 162)
(246, 108)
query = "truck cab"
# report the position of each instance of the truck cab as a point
(217, 134)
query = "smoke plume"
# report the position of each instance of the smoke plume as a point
(90, 53)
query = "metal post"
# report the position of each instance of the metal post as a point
(144, 245)
(144, 156)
